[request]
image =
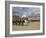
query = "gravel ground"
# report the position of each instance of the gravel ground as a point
(29, 26)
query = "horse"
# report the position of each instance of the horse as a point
(19, 22)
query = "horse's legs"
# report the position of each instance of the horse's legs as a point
(16, 23)
(13, 23)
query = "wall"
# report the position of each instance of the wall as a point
(2, 19)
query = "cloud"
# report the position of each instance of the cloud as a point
(19, 11)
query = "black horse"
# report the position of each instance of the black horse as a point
(19, 22)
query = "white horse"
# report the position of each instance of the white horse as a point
(25, 22)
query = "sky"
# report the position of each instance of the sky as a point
(27, 11)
